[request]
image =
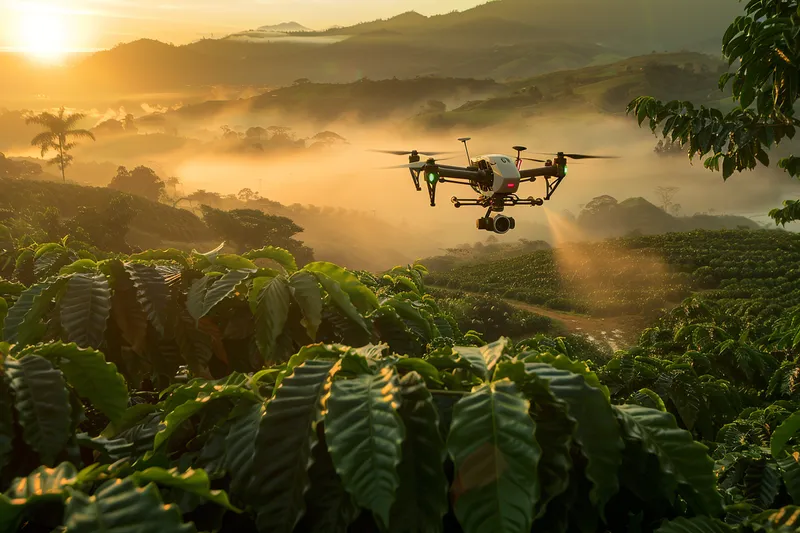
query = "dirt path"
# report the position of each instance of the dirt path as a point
(619, 332)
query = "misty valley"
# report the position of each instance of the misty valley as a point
(237, 295)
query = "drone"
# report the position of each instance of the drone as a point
(496, 178)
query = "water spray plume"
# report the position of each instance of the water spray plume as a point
(605, 275)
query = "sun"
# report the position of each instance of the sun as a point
(43, 34)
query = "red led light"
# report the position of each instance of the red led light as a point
(510, 185)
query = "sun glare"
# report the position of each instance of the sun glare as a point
(42, 34)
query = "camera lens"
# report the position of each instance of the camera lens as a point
(502, 224)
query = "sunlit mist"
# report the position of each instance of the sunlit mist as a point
(605, 274)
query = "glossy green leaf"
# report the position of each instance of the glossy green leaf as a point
(202, 300)
(192, 481)
(11, 288)
(483, 359)
(43, 485)
(554, 431)
(308, 295)
(271, 315)
(50, 262)
(90, 374)
(562, 362)
(185, 411)
(420, 366)
(421, 500)
(234, 262)
(29, 309)
(682, 459)
(364, 434)
(359, 294)
(597, 429)
(783, 433)
(81, 266)
(85, 308)
(170, 254)
(279, 255)
(152, 292)
(308, 353)
(284, 446)
(43, 481)
(329, 508)
(42, 404)
(240, 448)
(342, 300)
(496, 459)
(789, 466)
(119, 506)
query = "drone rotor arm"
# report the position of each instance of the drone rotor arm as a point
(551, 171)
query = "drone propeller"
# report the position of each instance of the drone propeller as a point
(536, 160)
(583, 156)
(412, 152)
(418, 164)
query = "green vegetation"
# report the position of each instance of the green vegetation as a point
(490, 316)
(762, 42)
(60, 135)
(153, 225)
(277, 385)
(745, 270)
(252, 388)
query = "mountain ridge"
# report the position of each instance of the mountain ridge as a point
(284, 27)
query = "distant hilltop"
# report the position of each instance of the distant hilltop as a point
(284, 27)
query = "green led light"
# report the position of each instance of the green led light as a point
(565, 170)
(432, 177)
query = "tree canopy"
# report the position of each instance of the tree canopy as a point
(252, 229)
(141, 181)
(60, 135)
(766, 84)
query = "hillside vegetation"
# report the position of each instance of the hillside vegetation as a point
(749, 272)
(156, 225)
(501, 39)
(153, 225)
(196, 392)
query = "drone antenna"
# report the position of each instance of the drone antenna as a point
(464, 140)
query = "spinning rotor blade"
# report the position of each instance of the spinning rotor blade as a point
(537, 160)
(583, 156)
(401, 152)
(418, 164)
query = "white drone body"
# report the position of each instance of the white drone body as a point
(504, 171)
(496, 179)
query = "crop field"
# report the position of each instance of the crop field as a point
(751, 273)
(241, 393)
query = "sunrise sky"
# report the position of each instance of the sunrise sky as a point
(44, 27)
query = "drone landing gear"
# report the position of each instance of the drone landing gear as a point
(499, 224)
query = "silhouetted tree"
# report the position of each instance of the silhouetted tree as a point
(665, 195)
(246, 195)
(249, 229)
(141, 181)
(600, 204)
(60, 135)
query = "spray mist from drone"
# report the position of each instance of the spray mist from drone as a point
(604, 276)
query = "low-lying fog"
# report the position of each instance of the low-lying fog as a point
(350, 176)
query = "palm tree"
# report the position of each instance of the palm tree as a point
(58, 136)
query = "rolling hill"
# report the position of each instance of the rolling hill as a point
(353, 239)
(499, 40)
